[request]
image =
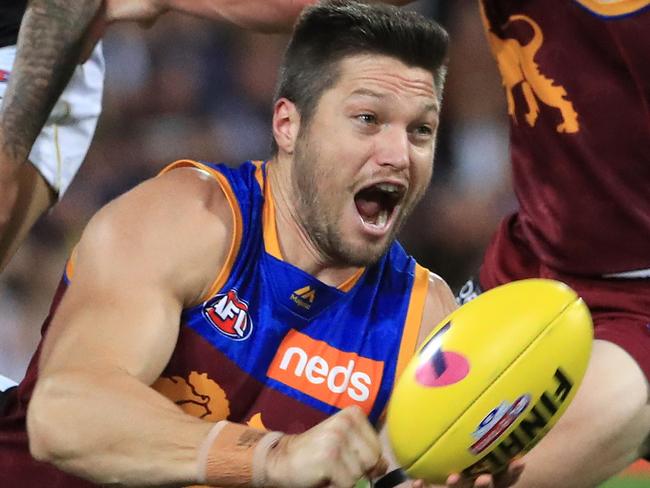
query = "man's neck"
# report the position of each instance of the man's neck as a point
(296, 246)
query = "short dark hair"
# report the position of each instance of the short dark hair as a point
(332, 30)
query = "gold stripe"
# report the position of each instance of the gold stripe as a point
(348, 284)
(271, 242)
(59, 162)
(614, 8)
(70, 265)
(413, 319)
(259, 173)
(235, 243)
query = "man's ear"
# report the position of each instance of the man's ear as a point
(286, 125)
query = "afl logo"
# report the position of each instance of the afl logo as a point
(497, 422)
(229, 315)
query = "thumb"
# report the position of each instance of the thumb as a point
(378, 469)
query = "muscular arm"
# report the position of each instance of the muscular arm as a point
(440, 302)
(49, 45)
(140, 261)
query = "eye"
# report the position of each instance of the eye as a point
(422, 133)
(423, 130)
(367, 118)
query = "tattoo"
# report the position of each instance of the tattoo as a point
(249, 438)
(49, 46)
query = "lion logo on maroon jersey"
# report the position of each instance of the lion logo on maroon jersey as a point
(229, 315)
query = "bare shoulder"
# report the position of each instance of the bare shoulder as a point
(439, 303)
(176, 227)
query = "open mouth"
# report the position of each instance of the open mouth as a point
(376, 204)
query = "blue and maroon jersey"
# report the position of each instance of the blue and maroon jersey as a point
(269, 345)
(577, 81)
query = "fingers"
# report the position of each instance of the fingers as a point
(378, 469)
(504, 479)
(457, 481)
(484, 481)
(511, 475)
(364, 444)
(337, 453)
(360, 448)
(365, 429)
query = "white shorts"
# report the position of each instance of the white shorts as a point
(63, 143)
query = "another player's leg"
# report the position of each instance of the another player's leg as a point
(604, 429)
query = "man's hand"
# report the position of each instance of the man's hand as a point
(335, 453)
(144, 11)
(503, 480)
(259, 15)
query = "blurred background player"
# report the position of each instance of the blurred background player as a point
(43, 141)
(577, 85)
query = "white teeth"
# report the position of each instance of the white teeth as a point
(388, 187)
(382, 219)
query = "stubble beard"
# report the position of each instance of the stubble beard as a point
(319, 217)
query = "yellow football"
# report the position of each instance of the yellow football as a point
(490, 380)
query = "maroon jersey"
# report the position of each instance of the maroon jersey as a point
(18, 469)
(270, 345)
(577, 81)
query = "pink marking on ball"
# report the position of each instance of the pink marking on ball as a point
(457, 368)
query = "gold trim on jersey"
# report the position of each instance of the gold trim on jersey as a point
(413, 322)
(270, 231)
(70, 265)
(235, 242)
(614, 8)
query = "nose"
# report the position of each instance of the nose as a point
(393, 146)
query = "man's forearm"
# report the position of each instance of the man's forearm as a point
(49, 46)
(108, 427)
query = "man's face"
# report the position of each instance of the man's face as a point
(366, 157)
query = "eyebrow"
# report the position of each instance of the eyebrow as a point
(366, 92)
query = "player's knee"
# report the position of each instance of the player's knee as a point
(609, 420)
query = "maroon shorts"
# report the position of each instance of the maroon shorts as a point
(620, 308)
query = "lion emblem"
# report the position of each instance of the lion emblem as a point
(197, 395)
(517, 65)
(201, 397)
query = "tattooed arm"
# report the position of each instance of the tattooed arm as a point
(49, 45)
